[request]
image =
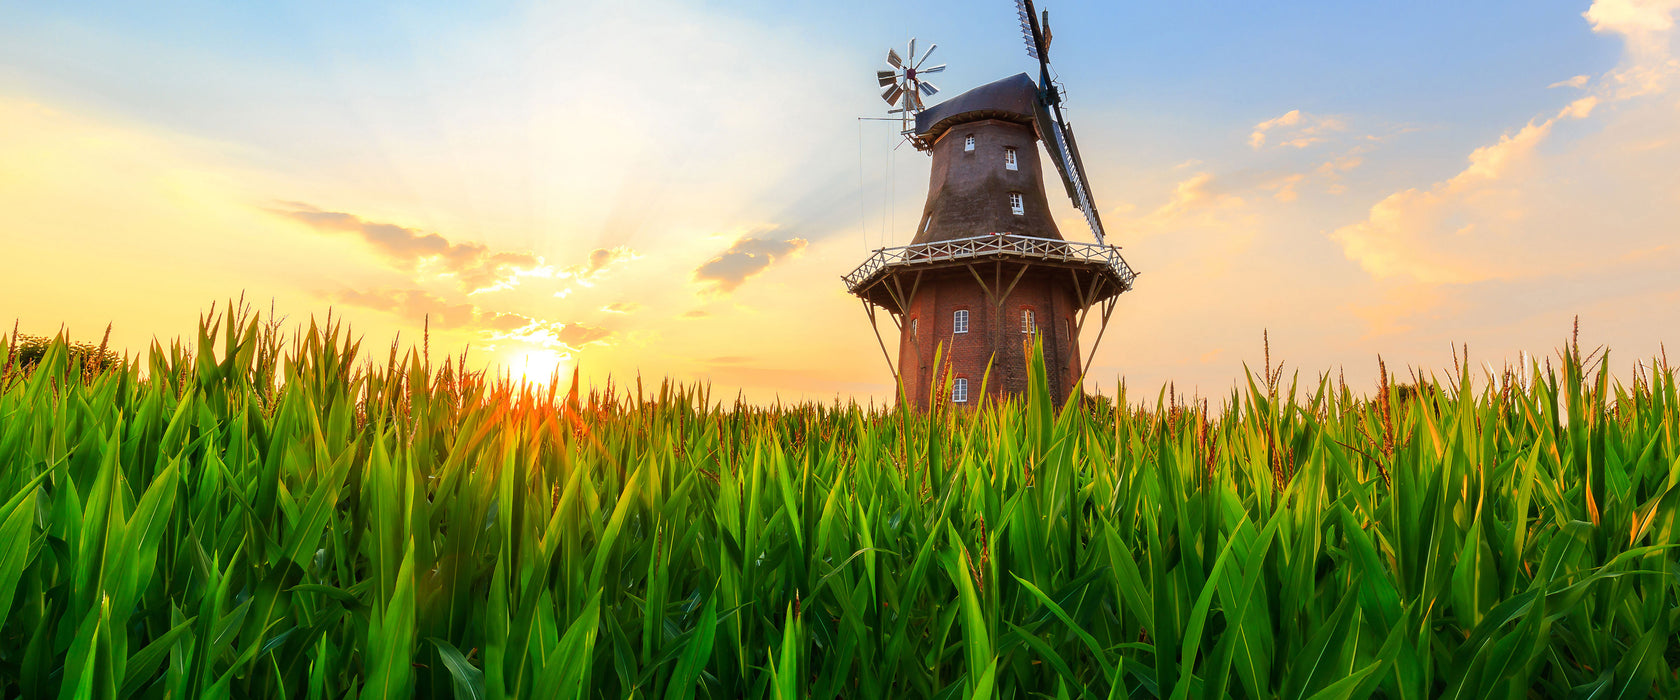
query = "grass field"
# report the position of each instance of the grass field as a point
(266, 516)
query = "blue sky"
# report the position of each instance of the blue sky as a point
(1453, 172)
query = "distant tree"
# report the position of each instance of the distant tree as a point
(28, 350)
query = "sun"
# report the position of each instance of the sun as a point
(539, 367)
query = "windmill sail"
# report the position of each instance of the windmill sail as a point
(1052, 144)
(1053, 130)
(1076, 175)
(1064, 152)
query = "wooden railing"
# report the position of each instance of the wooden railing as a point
(990, 245)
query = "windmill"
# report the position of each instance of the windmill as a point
(987, 274)
(903, 87)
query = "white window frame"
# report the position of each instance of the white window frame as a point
(959, 390)
(1017, 204)
(913, 328)
(959, 321)
(1009, 159)
(968, 143)
(1029, 324)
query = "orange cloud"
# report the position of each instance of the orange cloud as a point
(1646, 28)
(1297, 129)
(1286, 187)
(1419, 234)
(599, 261)
(415, 305)
(475, 266)
(746, 257)
(1336, 166)
(1190, 196)
(552, 335)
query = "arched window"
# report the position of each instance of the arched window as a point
(968, 142)
(959, 390)
(1017, 203)
(1009, 159)
(1028, 324)
(959, 321)
(912, 328)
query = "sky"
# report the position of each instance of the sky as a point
(661, 188)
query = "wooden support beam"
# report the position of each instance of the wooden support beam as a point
(1086, 301)
(916, 286)
(990, 295)
(1107, 310)
(897, 290)
(1004, 297)
(869, 309)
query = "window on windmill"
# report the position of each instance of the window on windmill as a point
(959, 321)
(968, 143)
(912, 329)
(1028, 325)
(959, 390)
(1017, 203)
(1009, 159)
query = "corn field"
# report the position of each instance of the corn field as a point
(262, 515)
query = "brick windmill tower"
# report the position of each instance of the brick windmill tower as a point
(988, 273)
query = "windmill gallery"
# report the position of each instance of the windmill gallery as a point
(988, 275)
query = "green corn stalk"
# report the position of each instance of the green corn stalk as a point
(254, 515)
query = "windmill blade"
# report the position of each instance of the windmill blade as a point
(891, 93)
(1037, 37)
(912, 53)
(1023, 11)
(893, 59)
(1047, 133)
(924, 57)
(1076, 175)
(936, 69)
(885, 77)
(929, 89)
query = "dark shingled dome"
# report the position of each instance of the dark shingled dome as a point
(1010, 99)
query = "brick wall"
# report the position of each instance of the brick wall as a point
(994, 333)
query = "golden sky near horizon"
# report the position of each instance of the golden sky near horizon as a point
(696, 225)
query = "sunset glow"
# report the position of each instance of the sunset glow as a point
(631, 187)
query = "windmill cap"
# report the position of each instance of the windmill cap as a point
(1011, 99)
